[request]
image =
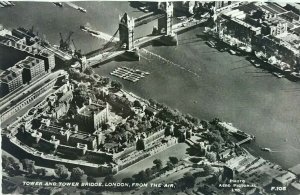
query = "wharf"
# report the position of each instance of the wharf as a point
(236, 132)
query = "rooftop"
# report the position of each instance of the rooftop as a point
(29, 62)
(248, 8)
(110, 145)
(88, 110)
(66, 96)
(295, 169)
(276, 7)
(288, 176)
(296, 30)
(45, 53)
(292, 39)
(57, 130)
(83, 136)
(11, 37)
(292, 15)
(274, 21)
(296, 185)
(268, 9)
(247, 25)
(11, 73)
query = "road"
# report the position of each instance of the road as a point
(28, 88)
(26, 108)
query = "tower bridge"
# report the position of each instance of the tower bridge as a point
(165, 33)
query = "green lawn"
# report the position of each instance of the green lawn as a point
(178, 150)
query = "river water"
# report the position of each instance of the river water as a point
(190, 77)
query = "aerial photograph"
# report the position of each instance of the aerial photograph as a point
(150, 97)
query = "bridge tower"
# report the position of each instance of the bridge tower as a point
(126, 32)
(165, 24)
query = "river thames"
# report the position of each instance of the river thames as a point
(190, 77)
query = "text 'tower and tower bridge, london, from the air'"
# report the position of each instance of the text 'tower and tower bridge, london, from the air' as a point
(82, 109)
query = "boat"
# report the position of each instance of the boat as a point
(277, 74)
(211, 44)
(266, 149)
(232, 52)
(58, 4)
(84, 28)
(81, 9)
(93, 32)
(182, 18)
(257, 65)
(295, 76)
(3, 3)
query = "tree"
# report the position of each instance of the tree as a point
(41, 171)
(208, 170)
(215, 121)
(11, 160)
(168, 130)
(109, 179)
(91, 179)
(44, 191)
(189, 180)
(127, 180)
(152, 102)
(170, 165)
(116, 85)
(216, 147)
(16, 166)
(158, 164)
(5, 162)
(104, 81)
(88, 71)
(61, 171)
(174, 160)
(28, 190)
(141, 176)
(137, 104)
(211, 157)
(148, 172)
(28, 165)
(76, 174)
(140, 145)
(205, 124)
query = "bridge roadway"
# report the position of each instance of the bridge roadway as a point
(177, 29)
(147, 18)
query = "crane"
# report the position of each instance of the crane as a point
(65, 44)
(77, 52)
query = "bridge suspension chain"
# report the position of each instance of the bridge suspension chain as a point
(110, 41)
